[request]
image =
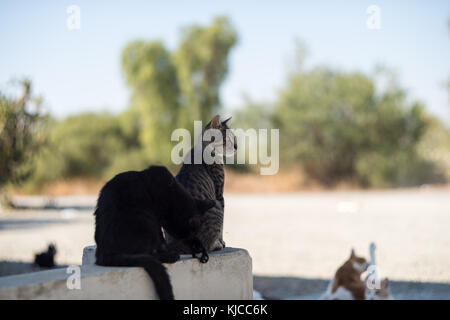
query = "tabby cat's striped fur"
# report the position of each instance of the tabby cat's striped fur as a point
(205, 181)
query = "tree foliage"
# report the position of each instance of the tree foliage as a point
(168, 90)
(172, 89)
(337, 125)
(202, 64)
(154, 107)
(340, 126)
(84, 145)
(21, 134)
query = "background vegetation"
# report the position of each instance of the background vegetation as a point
(337, 125)
(22, 133)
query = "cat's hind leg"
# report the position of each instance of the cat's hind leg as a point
(197, 246)
(204, 258)
(220, 240)
(218, 245)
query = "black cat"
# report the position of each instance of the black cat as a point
(131, 209)
(46, 259)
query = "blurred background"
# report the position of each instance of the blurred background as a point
(360, 94)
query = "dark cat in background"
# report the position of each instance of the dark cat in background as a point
(206, 181)
(46, 259)
(131, 210)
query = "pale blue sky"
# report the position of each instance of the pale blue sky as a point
(80, 70)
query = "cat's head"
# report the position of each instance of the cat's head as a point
(218, 136)
(51, 249)
(359, 263)
(383, 292)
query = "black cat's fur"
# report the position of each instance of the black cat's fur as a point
(46, 259)
(131, 210)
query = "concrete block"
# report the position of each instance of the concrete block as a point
(227, 275)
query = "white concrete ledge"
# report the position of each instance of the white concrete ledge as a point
(227, 275)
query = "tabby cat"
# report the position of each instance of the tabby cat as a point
(131, 210)
(206, 181)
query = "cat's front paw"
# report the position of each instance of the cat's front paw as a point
(204, 258)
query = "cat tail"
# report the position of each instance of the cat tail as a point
(152, 266)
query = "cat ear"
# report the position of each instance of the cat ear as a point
(224, 122)
(204, 205)
(385, 283)
(352, 255)
(215, 122)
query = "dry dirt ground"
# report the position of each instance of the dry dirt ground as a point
(296, 240)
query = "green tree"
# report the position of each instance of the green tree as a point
(21, 134)
(154, 107)
(84, 145)
(435, 146)
(171, 89)
(341, 126)
(202, 64)
(252, 115)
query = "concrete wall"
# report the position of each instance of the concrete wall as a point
(227, 275)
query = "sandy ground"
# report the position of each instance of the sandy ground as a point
(296, 240)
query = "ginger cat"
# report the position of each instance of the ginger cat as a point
(346, 283)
